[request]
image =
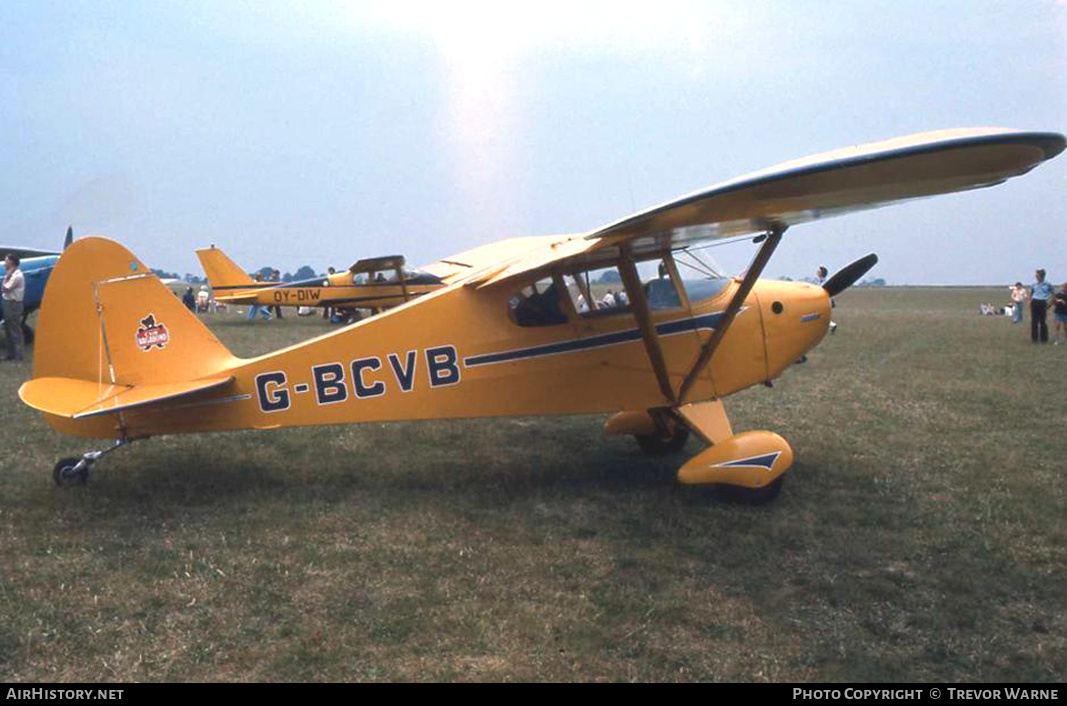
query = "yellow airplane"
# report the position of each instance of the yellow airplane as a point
(525, 327)
(374, 283)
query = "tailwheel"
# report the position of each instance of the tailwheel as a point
(75, 470)
(670, 442)
(71, 471)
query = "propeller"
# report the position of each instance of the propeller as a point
(70, 237)
(847, 276)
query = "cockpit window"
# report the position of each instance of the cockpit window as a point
(389, 277)
(593, 293)
(537, 305)
(597, 292)
(702, 277)
(701, 289)
(601, 292)
(420, 277)
(661, 294)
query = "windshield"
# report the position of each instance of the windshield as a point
(702, 277)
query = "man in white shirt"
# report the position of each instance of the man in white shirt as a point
(13, 289)
(202, 299)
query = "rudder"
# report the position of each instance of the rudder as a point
(107, 318)
(222, 272)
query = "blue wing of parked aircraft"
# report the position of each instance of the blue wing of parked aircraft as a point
(36, 266)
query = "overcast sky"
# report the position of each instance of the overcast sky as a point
(315, 132)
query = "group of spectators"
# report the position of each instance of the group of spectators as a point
(1041, 295)
(266, 310)
(200, 301)
(610, 300)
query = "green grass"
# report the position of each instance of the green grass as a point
(920, 535)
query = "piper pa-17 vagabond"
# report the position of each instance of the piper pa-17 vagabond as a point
(521, 329)
(374, 283)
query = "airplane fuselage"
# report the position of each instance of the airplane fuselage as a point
(326, 291)
(457, 353)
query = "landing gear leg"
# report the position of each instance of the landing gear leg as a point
(667, 435)
(670, 441)
(75, 470)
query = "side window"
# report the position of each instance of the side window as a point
(597, 292)
(601, 292)
(659, 286)
(537, 305)
(359, 278)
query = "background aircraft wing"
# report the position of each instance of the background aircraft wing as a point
(24, 253)
(490, 258)
(829, 184)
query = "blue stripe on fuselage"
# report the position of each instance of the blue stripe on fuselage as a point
(669, 328)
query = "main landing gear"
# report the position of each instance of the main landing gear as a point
(75, 470)
(747, 467)
(670, 441)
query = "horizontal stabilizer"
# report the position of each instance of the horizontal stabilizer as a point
(77, 399)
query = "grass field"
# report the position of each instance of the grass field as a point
(921, 534)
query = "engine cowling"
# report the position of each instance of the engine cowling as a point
(751, 459)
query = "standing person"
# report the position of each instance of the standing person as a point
(256, 308)
(1040, 294)
(327, 311)
(1059, 316)
(189, 300)
(1018, 301)
(275, 276)
(14, 287)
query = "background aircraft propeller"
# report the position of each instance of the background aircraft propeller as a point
(849, 274)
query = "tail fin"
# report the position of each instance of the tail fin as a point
(222, 272)
(108, 320)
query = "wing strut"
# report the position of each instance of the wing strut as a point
(632, 282)
(403, 282)
(773, 237)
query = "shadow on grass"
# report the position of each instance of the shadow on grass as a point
(458, 463)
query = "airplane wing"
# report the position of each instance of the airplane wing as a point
(24, 253)
(825, 185)
(492, 257)
(374, 264)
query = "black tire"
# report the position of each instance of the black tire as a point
(65, 474)
(657, 445)
(752, 496)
